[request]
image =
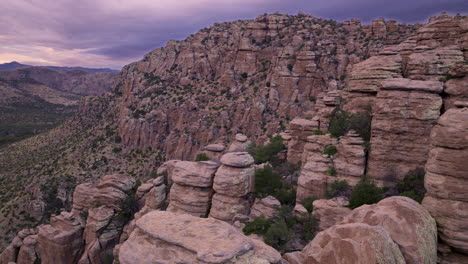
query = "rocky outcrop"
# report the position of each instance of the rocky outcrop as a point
(403, 115)
(320, 170)
(267, 207)
(214, 151)
(240, 143)
(299, 130)
(234, 184)
(22, 249)
(61, 241)
(175, 238)
(87, 234)
(395, 230)
(253, 81)
(409, 225)
(353, 243)
(192, 188)
(446, 178)
(330, 212)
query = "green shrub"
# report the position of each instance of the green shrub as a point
(268, 182)
(412, 185)
(329, 150)
(262, 154)
(338, 188)
(116, 149)
(341, 122)
(259, 226)
(244, 75)
(286, 194)
(331, 171)
(268, 84)
(318, 132)
(201, 157)
(313, 99)
(117, 139)
(365, 192)
(277, 235)
(84, 215)
(308, 203)
(290, 67)
(309, 228)
(129, 206)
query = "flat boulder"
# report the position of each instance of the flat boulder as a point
(192, 173)
(237, 159)
(165, 237)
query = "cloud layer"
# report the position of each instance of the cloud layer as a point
(112, 33)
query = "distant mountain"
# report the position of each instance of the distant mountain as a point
(12, 65)
(34, 99)
(16, 65)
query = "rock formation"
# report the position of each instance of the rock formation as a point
(395, 230)
(87, 234)
(234, 183)
(175, 238)
(446, 179)
(330, 212)
(320, 169)
(409, 225)
(192, 188)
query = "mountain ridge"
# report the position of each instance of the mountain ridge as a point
(16, 65)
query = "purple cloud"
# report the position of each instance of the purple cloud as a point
(111, 33)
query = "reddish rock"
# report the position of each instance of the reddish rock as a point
(330, 212)
(446, 178)
(409, 225)
(167, 237)
(353, 243)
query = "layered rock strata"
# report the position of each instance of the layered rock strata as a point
(446, 179)
(234, 184)
(191, 190)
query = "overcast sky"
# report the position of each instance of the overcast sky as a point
(112, 33)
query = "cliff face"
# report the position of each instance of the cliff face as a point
(245, 76)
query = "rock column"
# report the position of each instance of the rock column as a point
(233, 184)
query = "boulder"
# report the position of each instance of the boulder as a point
(215, 147)
(353, 243)
(330, 212)
(164, 237)
(226, 207)
(267, 207)
(189, 200)
(192, 173)
(409, 225)
(237, 159)
(241, 137)
(235, 182)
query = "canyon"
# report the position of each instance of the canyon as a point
(167, 167)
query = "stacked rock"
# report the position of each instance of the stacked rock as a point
(214, 151)
(192, 187)
(233, 185)
(240, 144)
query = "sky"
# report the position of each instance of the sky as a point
(113, 33)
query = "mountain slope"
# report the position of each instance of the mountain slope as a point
(36, 99)
(250, 76)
